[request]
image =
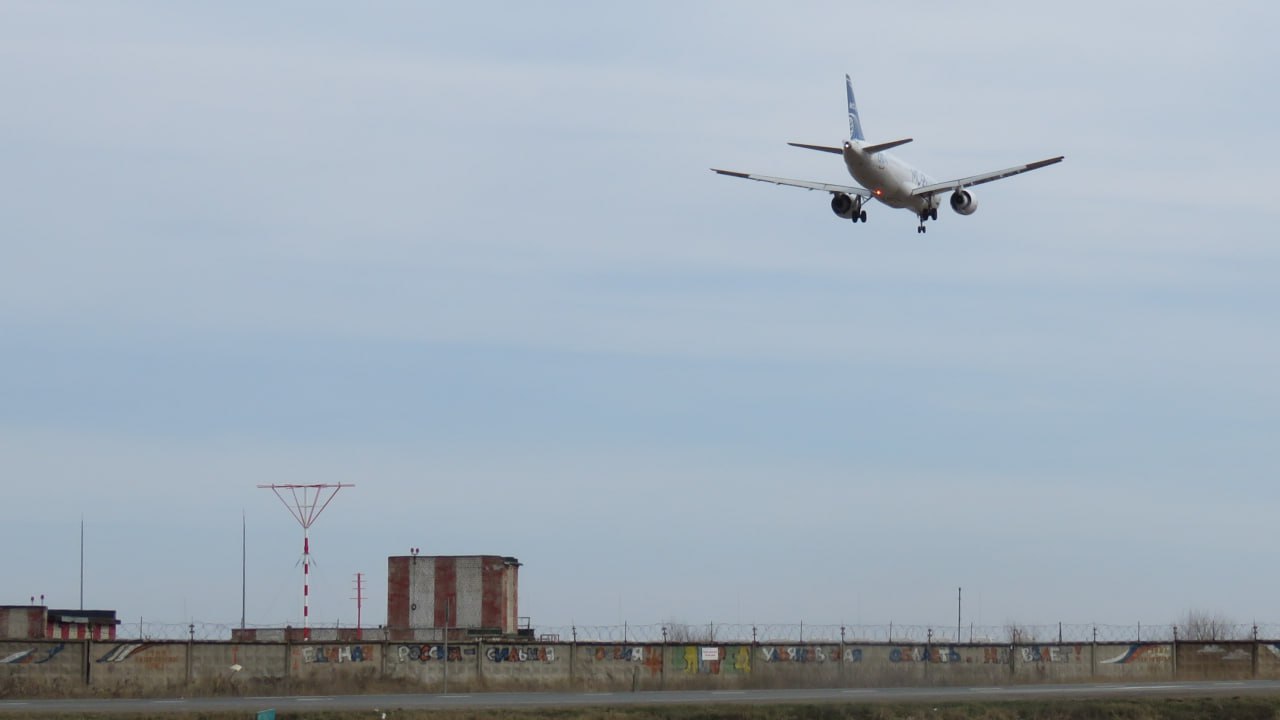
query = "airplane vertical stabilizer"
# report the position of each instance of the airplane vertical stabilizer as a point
(855, 125)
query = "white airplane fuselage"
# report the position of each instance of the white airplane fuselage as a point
(889, 179)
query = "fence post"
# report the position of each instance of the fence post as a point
(844, 674)
(386, 647)
(662, 661)
(1253, 661)
(1174, 659)
(928, 653)
(288, 658)
(1093, 654)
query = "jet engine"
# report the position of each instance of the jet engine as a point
(842, 205)
(963, 202)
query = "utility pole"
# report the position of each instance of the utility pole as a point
(958, 592)
(244, 556)
(448, 606)
(82, 562)
(359, 598)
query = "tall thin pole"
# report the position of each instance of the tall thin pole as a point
(82, 562)
(306, 582)
(359, 598)
(244, 556)
(448, 606)
(958, 592)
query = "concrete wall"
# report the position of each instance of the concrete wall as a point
(41, 667)
(44, 667)
(1221, 661)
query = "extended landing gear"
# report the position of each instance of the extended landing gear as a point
(928, 214)
(858, 213)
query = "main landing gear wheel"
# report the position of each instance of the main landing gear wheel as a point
(926, 214)
(858, 214)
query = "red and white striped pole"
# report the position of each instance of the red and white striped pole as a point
(308, 501)
(306, 583)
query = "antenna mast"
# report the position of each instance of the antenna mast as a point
(305, 504)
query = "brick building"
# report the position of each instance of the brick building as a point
(476, 594)
(38, 622)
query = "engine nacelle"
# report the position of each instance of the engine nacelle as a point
(963, 202)
(842, 205)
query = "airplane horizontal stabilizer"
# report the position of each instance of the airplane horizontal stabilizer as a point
(823, 148)
(872, 149)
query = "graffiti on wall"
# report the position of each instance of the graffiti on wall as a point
(520, 654)
(1142, 653)
(650, 658)
(620, 653)
(920, 654)
(732, 659)
(337, 653)
(32, 656)
(151, 656)
(809, 654)
(1052, 653)
(123, 652)
(429, 653)
(995, 656)
(1237, 654)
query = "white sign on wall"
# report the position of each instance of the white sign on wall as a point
(711, 654)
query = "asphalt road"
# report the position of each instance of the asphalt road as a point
(543, 700)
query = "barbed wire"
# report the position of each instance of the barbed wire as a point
(765, 633)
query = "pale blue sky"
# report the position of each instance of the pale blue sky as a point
(471, 259)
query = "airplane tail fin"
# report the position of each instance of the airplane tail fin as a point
(855, 125)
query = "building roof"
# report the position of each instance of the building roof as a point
(84, 617)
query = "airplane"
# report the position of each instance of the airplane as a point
(888, 179)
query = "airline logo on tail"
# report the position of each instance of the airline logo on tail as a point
(855, 125)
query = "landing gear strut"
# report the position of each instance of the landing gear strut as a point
(926, 214)
(858, 213)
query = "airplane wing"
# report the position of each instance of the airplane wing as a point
(806, 184)
(984, 177)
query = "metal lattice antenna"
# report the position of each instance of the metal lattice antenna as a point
(306, 507)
